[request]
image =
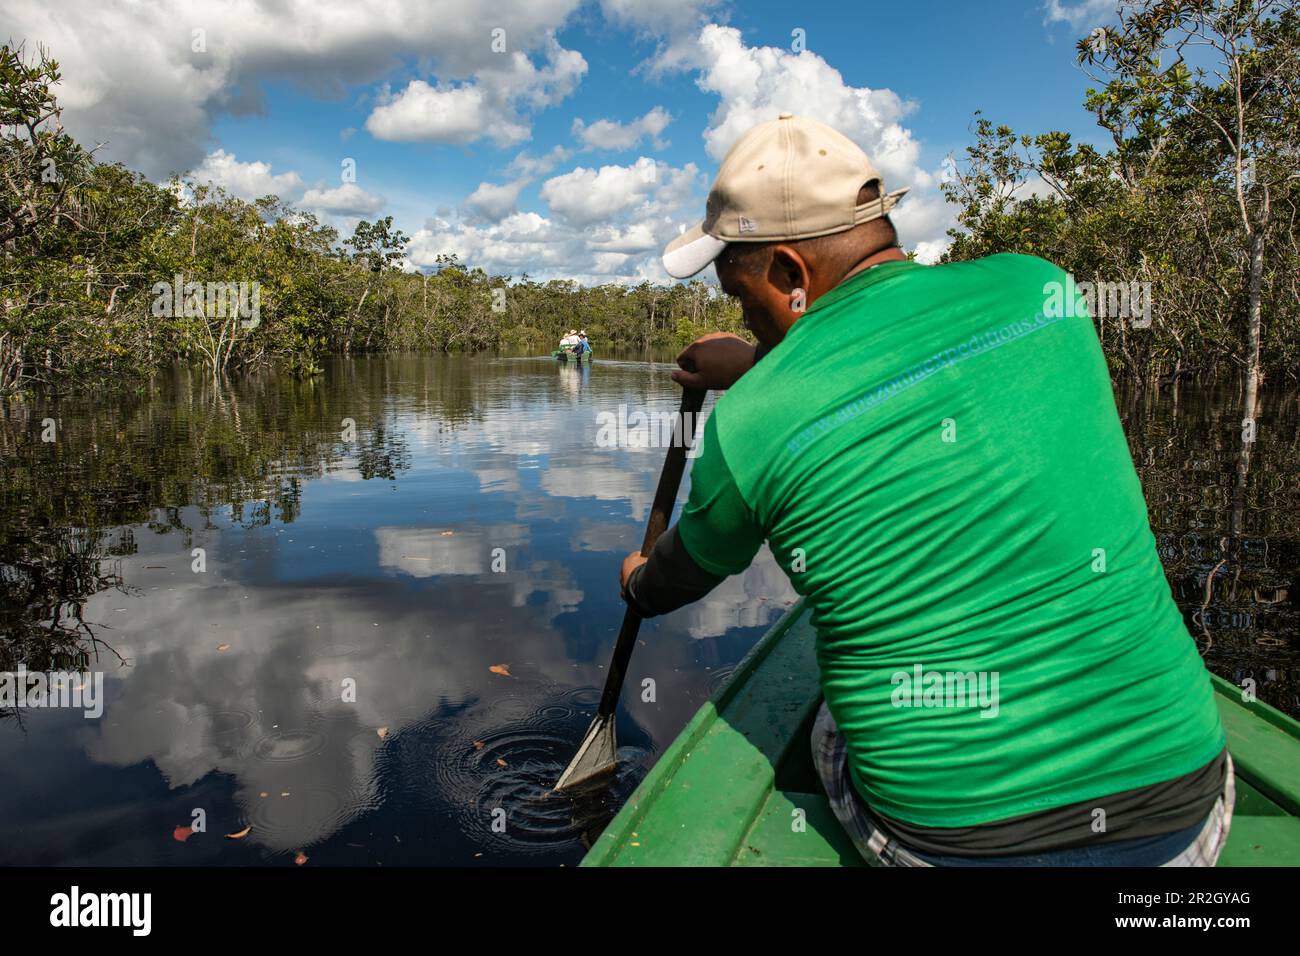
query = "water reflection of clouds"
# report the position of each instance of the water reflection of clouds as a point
(604, 483)
(427, 552)
(351, 590)
(498, 480)
(516, 432)
(561, 445)
(424, 552)
(611, 536)
(752, 599)
(269, 711)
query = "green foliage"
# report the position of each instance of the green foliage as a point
(85, 253)
(1199, 186)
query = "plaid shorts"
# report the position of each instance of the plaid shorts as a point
(830, 754)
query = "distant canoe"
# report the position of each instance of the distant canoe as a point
(724, 791)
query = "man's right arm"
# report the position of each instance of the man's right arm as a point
(717, 536)
(669, 579)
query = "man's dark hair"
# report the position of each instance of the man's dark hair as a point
(856, 243)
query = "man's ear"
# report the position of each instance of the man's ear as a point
(788, 270)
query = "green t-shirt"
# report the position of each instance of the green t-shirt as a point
(934, 456)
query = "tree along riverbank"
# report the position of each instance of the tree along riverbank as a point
(1185, 230)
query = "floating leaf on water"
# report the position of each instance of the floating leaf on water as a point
(181, 834)
(382, 732)
(301, 858)
(502, 669)
(478, 745)
(501, 763)
(223, 647)
(241, 834)
(447, 534)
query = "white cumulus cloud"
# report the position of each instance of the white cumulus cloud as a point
(492, 202)
(587, 196)
(249, 181)
(442, 114)
(756, 84)
(148, 79)
(613, 135)
(606, 224)
(348, 199)
(486, 107)
(530, 165)
(673, 24)
(1083, 15)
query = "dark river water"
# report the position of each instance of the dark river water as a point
(381, 648)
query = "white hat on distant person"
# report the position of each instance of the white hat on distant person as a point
(789, 178)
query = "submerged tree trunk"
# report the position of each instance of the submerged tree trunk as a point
(1253, 323)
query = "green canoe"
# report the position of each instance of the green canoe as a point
(725, 791)
(564, 355)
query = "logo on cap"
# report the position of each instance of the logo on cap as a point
(746, 225)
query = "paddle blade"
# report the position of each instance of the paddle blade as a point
(594, 757)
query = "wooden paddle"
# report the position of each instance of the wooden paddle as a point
(595, 755)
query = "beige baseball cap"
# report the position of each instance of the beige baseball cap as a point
(788, 178)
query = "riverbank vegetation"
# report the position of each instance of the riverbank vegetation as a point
(1195, 199)
(108, 276)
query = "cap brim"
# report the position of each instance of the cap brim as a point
(878, 208)
(690, 252)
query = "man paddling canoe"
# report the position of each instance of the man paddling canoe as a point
(934, 456)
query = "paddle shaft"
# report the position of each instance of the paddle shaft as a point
(670, 480)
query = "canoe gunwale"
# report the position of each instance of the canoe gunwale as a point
(732, 742)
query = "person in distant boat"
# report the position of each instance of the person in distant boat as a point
(583, 344)
(934, 457)
(570, 342)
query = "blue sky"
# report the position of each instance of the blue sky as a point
(559, 137)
